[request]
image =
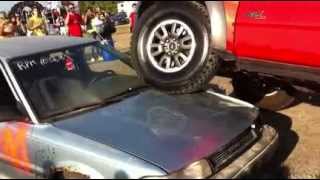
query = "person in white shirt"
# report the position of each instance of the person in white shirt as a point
(97, 24)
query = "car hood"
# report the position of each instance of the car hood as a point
(168, 131)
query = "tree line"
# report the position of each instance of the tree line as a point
(110, 6)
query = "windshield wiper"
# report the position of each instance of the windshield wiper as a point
(123, 95)
(76, 109)
(116, 98)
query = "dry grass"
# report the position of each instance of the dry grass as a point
(122, 38)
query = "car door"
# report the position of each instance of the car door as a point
(282, 31)
(15, 157)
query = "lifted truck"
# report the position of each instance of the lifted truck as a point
(270, 47)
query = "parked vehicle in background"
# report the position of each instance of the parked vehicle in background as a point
(61, 117)
(120, 18)
(268, 46)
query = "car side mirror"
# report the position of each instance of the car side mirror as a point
(10, 113)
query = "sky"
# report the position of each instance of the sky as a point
(6, 5)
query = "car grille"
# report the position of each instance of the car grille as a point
(233, 149)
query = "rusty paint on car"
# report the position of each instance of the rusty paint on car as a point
(68, 173)
(14, 145)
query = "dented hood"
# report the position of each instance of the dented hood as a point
(168, 131)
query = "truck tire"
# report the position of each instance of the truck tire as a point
(251, 89)
(171, 47)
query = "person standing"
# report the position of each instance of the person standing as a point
(108, 30)
(3, 23)
(73, 21)
(133, 16)
(36, 24)
(7, 27)
(11, 27)
(97, 24)
(21, 28)
(88, 19)
(59, 23)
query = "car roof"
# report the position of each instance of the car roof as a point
(11, 48)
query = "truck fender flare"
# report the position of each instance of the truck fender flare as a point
(218, 24)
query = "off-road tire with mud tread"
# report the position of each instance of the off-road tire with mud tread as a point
(197, 74)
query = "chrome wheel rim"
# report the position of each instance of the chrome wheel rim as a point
(171, 46)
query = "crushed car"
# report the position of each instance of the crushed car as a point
(62, 116)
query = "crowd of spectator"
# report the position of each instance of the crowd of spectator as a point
(94, 22)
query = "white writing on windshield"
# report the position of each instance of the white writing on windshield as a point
(24, 65)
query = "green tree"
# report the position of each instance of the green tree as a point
(110, 6)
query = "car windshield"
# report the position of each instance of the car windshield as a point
(63, 81)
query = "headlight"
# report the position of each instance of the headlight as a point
(198, 170)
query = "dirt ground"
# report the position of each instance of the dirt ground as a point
(298, 155)
(122, 38)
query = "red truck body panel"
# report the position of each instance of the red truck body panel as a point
(281, 31)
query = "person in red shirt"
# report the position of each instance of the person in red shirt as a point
(73, 21)
(133, 16)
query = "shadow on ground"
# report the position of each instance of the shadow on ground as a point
(288, 140)
(310, 98)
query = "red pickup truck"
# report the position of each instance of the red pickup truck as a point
(269, 46)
